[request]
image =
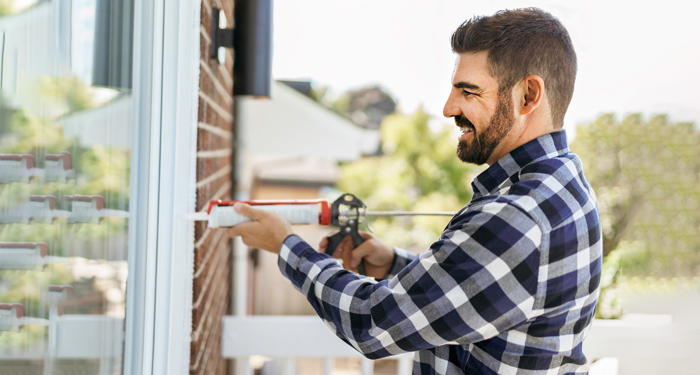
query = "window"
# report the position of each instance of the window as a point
(71, 157)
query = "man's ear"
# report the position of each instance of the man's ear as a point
(532, 93)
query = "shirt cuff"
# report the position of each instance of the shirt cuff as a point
(301, 264)
(401, 259)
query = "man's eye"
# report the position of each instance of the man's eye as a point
(466, 93)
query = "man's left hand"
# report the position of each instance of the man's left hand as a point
(267, 231)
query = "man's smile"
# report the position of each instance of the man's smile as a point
(467, 132)
(465, 126)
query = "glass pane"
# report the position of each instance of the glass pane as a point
(66, 136)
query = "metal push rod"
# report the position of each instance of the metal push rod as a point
(409, 213)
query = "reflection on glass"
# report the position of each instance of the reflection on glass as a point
(66, 129)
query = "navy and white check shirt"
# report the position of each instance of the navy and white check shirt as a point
(510, 287)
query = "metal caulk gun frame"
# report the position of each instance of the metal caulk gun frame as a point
(346, 212)
(348, 221)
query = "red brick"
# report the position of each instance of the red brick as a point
(206, 345)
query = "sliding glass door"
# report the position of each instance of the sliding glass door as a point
(73, 146)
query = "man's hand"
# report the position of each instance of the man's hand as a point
(267, 231)
(377, 255)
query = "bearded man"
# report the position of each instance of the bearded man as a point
(511, 285)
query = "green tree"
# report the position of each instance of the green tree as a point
(29, 134)
(646, 175)
(418, 171)
(6, 7)
(100, 170)
(68, 93)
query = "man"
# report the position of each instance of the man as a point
(511, 285)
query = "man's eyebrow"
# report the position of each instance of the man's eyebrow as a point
(467, 85)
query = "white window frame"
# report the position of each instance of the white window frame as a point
(161, 248)
(140, 256)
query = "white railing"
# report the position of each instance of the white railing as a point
(75, 336)
(287, 337)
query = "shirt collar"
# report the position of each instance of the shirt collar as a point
(546, 146)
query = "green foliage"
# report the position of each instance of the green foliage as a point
(366, 106)
(105, 171)
(6, 7)
(418, 171)
(646, 175)
(30, 288)
(319, 94)
(10, 7)
(609, 304)
(99, 170)
(29, 134)
(67, 92)
(645, 172)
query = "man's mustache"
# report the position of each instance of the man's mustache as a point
(461, 120)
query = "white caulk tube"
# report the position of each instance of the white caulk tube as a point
(226, 216)
(222, 215)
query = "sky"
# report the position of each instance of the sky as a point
(633, 56)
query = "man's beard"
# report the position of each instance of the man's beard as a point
(483, 144)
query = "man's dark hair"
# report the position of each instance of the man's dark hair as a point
(522, 42)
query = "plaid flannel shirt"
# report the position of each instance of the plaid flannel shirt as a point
(510, 287)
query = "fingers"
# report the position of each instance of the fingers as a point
(239, 229)
(267, 230)
(342, 252)
(246, 210)
(374, 251)
(344, 247)
(366, 235)
(366, 248)
(346, 251)
(323, 245)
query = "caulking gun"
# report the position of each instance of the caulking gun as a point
(346, 213)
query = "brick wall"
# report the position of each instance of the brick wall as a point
(212, 281)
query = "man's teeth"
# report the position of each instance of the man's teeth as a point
(465, 129)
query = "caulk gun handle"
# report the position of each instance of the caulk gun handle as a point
(333, 242)
(336, 239)
(357, 239)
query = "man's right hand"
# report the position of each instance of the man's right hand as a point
(377, 255)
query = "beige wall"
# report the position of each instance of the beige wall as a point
(263, 190)
(272, 293)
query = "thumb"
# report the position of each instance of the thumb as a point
(370, 248)
(365, 248)
(246, 210)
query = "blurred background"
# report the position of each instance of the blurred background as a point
(633, 120)
(356, 107)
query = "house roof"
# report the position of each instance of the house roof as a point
(104, 125)
(297, 170)
(291, 124)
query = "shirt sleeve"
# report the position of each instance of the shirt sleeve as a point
(478, 280)
(401, 259)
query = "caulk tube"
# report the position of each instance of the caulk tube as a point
(222, 214)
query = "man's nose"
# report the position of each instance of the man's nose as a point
(451, 108)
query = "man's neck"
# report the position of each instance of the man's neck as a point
(532, 127)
